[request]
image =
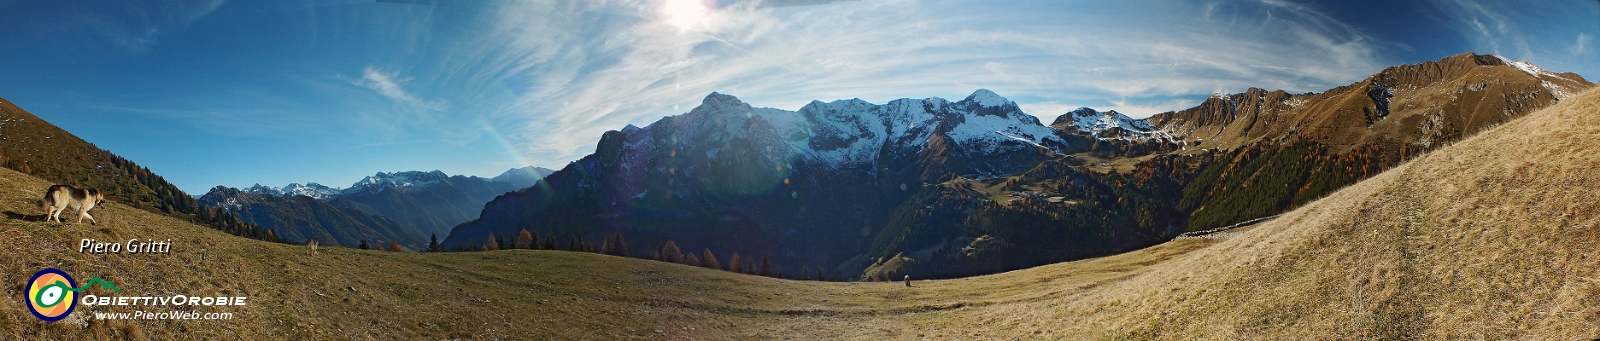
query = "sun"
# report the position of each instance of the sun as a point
(684, 13)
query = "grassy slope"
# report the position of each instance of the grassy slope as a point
(1495, 237)
(504, 294)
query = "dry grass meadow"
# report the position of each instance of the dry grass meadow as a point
(1496, 237)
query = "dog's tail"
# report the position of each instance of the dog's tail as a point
(49, 195)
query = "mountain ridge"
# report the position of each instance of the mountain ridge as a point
(428, 203)
(819, 186)
(298, 219)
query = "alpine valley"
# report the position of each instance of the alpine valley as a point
(411, 208)
(939, 188)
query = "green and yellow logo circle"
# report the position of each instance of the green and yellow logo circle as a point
(50, 295)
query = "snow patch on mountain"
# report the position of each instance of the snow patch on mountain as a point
(376, 182)
(1090, 121)
(987, 98)
(989, 132)
(258, 189)
(844, 133)
(413, 179)
(310, 189)
(1560, 92)
(1110, 125)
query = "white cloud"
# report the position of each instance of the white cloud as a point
(1047, 110)
(1581, 45)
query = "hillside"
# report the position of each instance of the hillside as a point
(33, 146)
(1493, 237)
(30, 145)
(1421, 104)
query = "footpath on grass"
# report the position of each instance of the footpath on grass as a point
(1208, 233)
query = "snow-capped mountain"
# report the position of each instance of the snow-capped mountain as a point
(409, 179)
(429, 202)
(971, 136)
(310, 189)
(1560, 85)
(822, 170)
(375, 182)
(1108, 125)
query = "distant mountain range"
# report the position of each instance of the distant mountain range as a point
(298, 218)
(951, 188)
(406, 206)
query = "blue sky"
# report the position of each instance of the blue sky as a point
(228, 92)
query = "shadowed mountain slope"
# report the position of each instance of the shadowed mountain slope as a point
(301, 218)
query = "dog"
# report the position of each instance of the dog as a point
(61, 197)
(312, 243)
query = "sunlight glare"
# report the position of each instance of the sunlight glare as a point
(684, 13)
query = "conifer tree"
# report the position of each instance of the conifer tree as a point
(364, 245)
(766, 266)
(615, 245)
(527, 240)
(734, 263)
(691, 260)
(394, 246)
(670, 252)
(709, 260)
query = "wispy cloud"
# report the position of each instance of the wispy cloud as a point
(137, 26)
(389, 85)
(1492, 29)
(1582, 44)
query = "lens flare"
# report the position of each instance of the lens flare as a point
(511, 149)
